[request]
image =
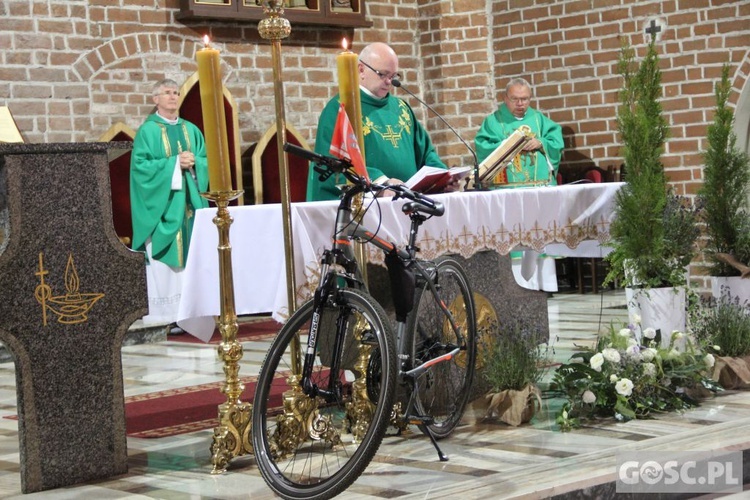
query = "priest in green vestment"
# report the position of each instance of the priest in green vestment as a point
(537, 164)
(539, 161)
(168, 171)
(396, 144)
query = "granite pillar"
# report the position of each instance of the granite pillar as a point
(69, 290)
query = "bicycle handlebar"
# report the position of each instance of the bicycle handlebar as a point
(420, 203)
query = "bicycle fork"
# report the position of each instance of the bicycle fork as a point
(409, 375)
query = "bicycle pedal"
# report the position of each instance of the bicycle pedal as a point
(414, 420)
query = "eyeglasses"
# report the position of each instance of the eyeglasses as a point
(383, 76)
(170, 92)
(522, 100)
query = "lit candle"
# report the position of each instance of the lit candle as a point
(347, 64)
(214, 120)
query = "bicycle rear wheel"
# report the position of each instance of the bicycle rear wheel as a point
(309, 448)
(443, 391)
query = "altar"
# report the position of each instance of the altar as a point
(569, 220)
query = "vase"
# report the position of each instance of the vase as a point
(735, 286)
(663, 309)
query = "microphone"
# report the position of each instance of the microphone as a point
(397, 83)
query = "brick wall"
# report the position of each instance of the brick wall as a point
(71, 69)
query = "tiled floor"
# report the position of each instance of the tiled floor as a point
(488, 459)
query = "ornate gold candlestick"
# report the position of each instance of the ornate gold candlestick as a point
(232, 437)
(275, 28)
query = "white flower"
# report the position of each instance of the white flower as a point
(649, 333)
(613, 378)
(673, 353)
(716, 348)
(596, 362)
(648, 354)
(611, 355)
(633, 352)
(589, 397)
(709, 359)
(649, 369)
(677, 335)
(564, 415)
(624, 387)
(637, 319)
(632, 342)
(625, 332)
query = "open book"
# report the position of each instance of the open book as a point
(434, 180)
(504, 154)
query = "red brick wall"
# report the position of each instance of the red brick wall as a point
(70, 70)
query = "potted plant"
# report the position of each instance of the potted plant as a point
(512, 366)
(653, 231)
(724, 201)
(723, 326)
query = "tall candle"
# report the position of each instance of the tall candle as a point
(214, 119)
(348, 72)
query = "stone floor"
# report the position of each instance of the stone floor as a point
(488, 459)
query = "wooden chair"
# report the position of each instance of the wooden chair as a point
(190, 109)
(119, 180)
(265, 168)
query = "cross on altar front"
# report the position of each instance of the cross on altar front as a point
(392, 136)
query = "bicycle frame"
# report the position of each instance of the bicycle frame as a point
(347, 230)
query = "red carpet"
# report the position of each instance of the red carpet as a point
(188, 409)
(261, 328)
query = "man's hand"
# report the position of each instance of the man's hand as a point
(533, 145)
(187, 160)
(390, 182)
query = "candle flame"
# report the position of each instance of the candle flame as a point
(344, 43)
(206, 40)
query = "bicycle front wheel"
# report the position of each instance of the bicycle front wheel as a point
(315, 447)
(443, 391)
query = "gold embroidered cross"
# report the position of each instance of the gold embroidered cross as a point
(392, 136)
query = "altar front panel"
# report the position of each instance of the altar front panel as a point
(568, 220)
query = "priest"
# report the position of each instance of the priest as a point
(168, 171)
(396, 144)
(535, 165)
(538, 162)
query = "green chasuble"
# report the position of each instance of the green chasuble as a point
(396, 145)
(160, 212)
(527, 166)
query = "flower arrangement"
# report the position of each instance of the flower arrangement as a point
(627, 375)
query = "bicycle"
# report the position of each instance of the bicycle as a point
(347, 374)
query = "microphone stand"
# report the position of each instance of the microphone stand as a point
(397, 83)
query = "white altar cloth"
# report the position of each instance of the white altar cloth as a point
(570, 220)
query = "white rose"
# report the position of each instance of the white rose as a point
(649, 369)
(589, 397)
(677, 335)
(632, 342)
(624, 387)
(637, 319)
(649, 333)
(625, 332)
(596, 362)
(648, 354)
(613, 378)
(611, 355)
(709, 359)
(633, 352)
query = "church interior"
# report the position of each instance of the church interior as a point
(75, 85)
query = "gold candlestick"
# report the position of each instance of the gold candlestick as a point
(232, 437)
(275, 28)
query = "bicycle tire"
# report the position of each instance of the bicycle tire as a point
(321, 455)
(442, 392)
